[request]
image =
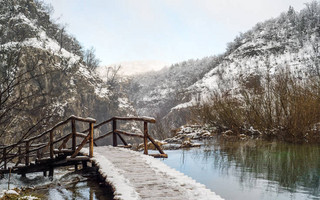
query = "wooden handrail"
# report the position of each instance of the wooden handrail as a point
(27, 149)
(72, 117)
(39, 147)
(128, 134)
(117, 133)
(145, 119)
(81, 119)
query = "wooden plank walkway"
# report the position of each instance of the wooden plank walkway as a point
(136, 176)
(133, 175)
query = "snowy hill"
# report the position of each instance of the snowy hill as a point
(43, 75)
(157, 92)
(290, 42)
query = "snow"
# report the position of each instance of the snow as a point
(59, 107)
(123, 103)
(41, 41)
(24, 20)
(44, 42)
(101, 91)
(11, 192)
(226, 76)
(28, 198)
(85, 72)
(185, 105)
(137, 176)
(122, 187)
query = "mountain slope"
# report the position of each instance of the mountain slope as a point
(288, 42)
(157, 92)
(43, 76)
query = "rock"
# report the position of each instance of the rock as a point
(243, 137)
(206, 134)
(10, 194)
(229, 133)
(29, 198)
(254, 132)
(188, 143)
(172, 140)
(151, 146)
(171, 146)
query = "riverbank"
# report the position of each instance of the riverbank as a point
(191, 136)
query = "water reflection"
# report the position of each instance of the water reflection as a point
(253, 170)
(82, 185)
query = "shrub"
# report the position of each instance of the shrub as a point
(281, 106)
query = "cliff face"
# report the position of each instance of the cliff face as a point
(43, 76)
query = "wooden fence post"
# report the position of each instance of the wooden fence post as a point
(19, 153)
(114, 127)
(51, 144)
(74, 141)
(4, 158)
(145, 137)
(73, 127)
(91, 140)
(27, 152)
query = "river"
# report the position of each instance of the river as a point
(253, 169)
(248, 170)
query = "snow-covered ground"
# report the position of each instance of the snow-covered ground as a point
(136, 176)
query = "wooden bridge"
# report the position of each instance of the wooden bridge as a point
(131, 174)
(48, 150)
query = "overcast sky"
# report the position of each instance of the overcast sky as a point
(168, 31)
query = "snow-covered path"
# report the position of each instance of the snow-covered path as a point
(136, 176)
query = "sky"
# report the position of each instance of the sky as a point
(162, 32)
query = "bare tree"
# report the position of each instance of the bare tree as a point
(90, 59)
(18, 74)
(112, 74)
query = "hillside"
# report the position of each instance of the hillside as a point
(44, 77)
(288, 42)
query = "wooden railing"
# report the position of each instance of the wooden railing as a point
(33, 148)
(118, 133)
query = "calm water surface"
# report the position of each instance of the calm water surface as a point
(253, 170)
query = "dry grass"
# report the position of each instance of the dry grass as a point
(285, 108)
